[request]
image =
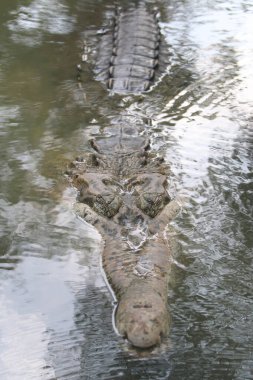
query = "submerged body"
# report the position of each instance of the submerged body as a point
(122, 186)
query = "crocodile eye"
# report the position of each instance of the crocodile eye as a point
(136, 182)
(80, 182)
(106, 182)
(79, 159)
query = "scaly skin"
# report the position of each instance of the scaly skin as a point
(139, 280)
(130, 54)
(118, 192)
(122, 186)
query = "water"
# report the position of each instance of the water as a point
(55, 317)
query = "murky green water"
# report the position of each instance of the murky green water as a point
(55, 316)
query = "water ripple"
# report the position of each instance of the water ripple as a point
(56, 310)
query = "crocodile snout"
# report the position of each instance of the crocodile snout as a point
(143, 334)
(142, 318)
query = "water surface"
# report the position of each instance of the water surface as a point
(55, 317)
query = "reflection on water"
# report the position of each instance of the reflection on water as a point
(28, 23)
(56, 310)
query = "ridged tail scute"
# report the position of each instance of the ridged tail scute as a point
(129, 53)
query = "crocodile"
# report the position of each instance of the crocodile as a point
(123, 189)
